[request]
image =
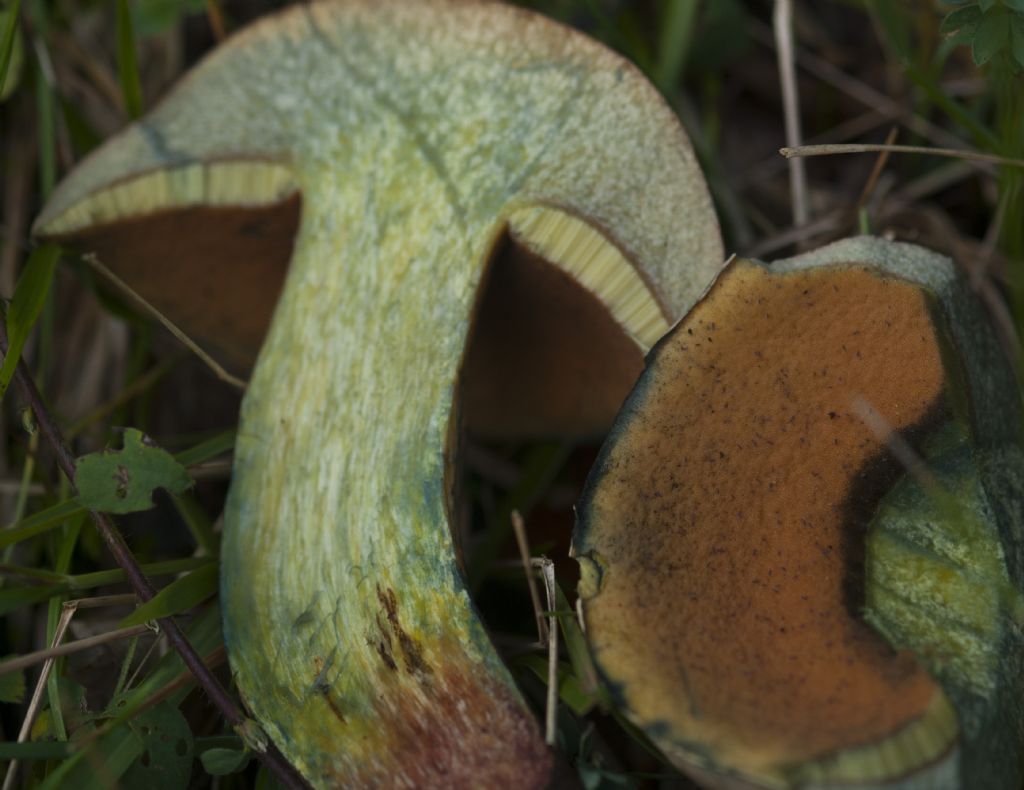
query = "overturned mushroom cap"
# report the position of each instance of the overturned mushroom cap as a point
(480, 212)
(773, 597)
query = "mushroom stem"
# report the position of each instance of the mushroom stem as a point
(359, 635)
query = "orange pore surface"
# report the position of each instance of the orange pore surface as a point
(727, 519)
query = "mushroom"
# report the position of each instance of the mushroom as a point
(801, 545)
(486, 218)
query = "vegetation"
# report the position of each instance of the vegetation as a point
(72, 72)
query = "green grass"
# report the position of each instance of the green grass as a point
(87, 68)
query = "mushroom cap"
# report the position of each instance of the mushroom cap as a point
(769, 592)
(197, 205)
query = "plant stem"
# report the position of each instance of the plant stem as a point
(271, 758)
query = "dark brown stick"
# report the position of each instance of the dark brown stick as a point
(274, 761)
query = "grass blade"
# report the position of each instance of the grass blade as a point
(40, 522)
(127, 65)
(211, 448)
(29, 298)
(35, 750)
(7, 40)
(676, 25)
(177, 596)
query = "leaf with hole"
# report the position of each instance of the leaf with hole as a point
(166, 759)
(123, 481)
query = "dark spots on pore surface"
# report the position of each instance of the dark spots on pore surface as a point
(390, 630)
(747, 442)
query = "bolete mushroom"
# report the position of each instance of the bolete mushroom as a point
(778, 593)
(433, 171)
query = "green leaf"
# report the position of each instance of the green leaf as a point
(1015, 5)
(127, 65)
(177, 596)
(993, 34)
(118, 745)
(167, 750)
(14, 60)
(220, 762)
(12, 685)
(29, 298)
(1017, 39)
(962, 17)
(123, 481)
(985, 5)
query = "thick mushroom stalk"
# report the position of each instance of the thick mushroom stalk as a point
(801, 545)
(434, 145)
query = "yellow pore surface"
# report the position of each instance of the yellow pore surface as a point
(724, 522)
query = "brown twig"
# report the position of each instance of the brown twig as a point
(37, 695)
(783, 27)
(869, 148)
(547, 569)
(68, 648)
(271, 758)
(876, 170)
(215, 16)
(524, 554)
(170, 326)
(826, 72)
